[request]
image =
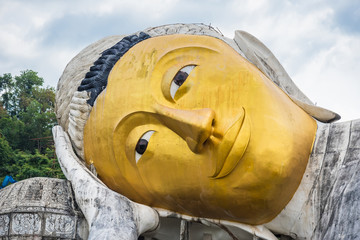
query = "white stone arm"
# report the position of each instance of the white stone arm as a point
(109, 214)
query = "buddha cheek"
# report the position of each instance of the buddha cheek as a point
(173, 169)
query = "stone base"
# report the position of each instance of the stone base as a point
(40, 208)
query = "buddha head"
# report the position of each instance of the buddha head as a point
(181, 118)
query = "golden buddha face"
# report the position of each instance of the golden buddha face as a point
(189, 125)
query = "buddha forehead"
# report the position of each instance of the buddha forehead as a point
(148, 70)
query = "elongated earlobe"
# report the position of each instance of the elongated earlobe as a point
(258, 54)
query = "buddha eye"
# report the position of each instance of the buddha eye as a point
(180, 78)
(142, 145)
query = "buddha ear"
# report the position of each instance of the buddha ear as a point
(258, 54)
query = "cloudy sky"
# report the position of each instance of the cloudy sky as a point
(317, 41)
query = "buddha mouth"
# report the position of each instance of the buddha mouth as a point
(233, 146)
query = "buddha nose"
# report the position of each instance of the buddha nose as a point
(194, 126)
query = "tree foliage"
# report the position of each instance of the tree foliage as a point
(26, 118)
(27, 109)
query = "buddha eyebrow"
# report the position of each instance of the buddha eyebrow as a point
(95, 80)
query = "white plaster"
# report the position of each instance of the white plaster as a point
(78, 114)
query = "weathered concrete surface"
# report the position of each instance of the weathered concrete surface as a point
(338, 195)
(40, 208)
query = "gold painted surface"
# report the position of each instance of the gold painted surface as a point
(230, 145)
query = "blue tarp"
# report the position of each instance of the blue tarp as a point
(6, 181)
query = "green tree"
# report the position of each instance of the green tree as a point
(38, 123)
(28, 109)
(6, 82)
(25, 86)
(6, 88)
(13, 130)
(19, 91)
(35, 165)
(7, 158)
(21, 165)
(26, 113)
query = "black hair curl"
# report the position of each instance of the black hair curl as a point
(95, 80)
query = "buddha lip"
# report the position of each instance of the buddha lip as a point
(233, 146)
